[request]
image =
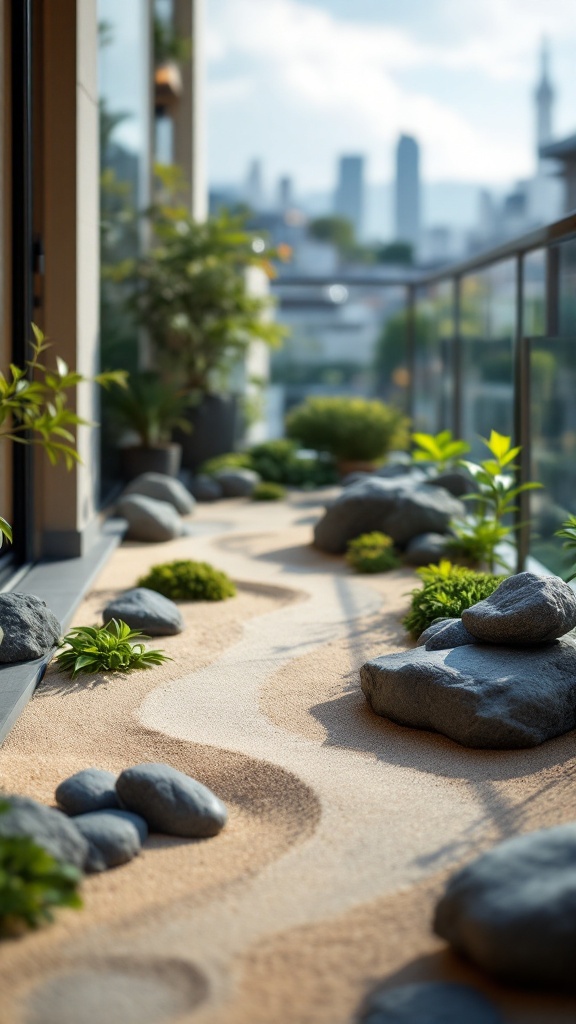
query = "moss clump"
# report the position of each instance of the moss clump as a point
(188, 581)
(448, 590)
(372, 552)
(268, 492)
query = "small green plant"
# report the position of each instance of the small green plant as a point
(188, 581)
(110, 648)
(280, 462)
(268, 492)
(442, 449)
(568, 532)
(475, 539)
(351, 429)
(372, 552)
(230, 460)
(448, 590)
(32, 884)
(151, 408)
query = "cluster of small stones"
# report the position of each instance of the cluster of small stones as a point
(104, 820)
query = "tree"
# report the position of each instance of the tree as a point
(336, 230)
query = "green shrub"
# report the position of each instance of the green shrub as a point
(274, 460)
(372, 552)
(568, 532)
(109, 648)
(352, 429)
(188, 581)
(231, 460)
(268, 492)
(448, 590)
(32, 883)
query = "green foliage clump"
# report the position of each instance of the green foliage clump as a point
(188, 581)
(109, 648)
(349, 428)
(280, 462)
(151, 407)
(32, 884)
(230, 460)
(448, 590)
(266, 491)
(442, 449)
(372, 552)
(568, 532)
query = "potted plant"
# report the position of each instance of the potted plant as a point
(150, 409)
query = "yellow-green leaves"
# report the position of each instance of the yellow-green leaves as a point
(568, 533)
(442, 449)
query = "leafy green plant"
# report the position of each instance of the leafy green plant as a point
(568, 532)
(372, 552)
(281, 462)
(230, 460)
(494, 498)
(109, 648)
(32, 883)
(152, 408)
(266, 491)
(476, 539)
(448, 590)
(352, 429)
(188, 581)
(442, 449)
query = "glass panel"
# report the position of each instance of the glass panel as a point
(567, 288)
(5, 259)
(434, 354)
(553, 448)
(488, 301)
(535, 294)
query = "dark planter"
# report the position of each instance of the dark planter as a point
(162, 458)
(214, 424)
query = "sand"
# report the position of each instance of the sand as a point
(343, 827)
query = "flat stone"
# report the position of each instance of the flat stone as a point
(432, 1002)
(91, 789)
(237, 483)
(163, 488)
(48, 827)
(146, 610)
(478, 695)
(427, 548)
(113, 837)
(148, 519)
(206, 488)
(513, 910)
(444, 634)
(399, 508)
(171, 801)
(30, 630)
(524, 609)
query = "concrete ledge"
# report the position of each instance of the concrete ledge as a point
(62, 583)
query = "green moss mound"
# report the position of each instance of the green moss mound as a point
(268, 492)
(448, 590)
(188, 581)
(372, 552)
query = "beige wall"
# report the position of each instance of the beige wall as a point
(189, 143)
(5, 244)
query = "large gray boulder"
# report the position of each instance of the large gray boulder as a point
(237, 483)
(163, 488)
(148, 519)
(524, 609)
(399, 508)
(30, 630)
(457, 483)
(171, 801)
(206, 488)
(48, 828)
(446, 633)
(146, 610)
(513, 910)
(91, 789)
(427, 549)
(478, 695)
(113, 837)
(429, 1002)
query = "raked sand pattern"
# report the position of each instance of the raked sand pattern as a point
(343, 827)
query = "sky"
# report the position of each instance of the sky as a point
(299, 82)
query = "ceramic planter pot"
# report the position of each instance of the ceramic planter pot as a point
(162, 458)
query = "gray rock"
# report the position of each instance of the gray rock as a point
(524, 609)
(171, 801)
(148, 519)
(513, 910)
(48, 828)
(427, 548)
(431, 1002)
(113, 837)
(478, 695)
(454, 482)
(91, 789)
(146, 610)
(30, 630)
(163, 488)
(444, 634)
(206, 488)
(237, 483)
(354, 478)
(399, 508)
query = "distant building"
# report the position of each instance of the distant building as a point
(407, 193)
(349, 196)
(254, 188)
(565, 153)
(285, 194)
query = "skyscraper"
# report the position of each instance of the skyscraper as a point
(544, 97)
(254, 191)
(349, 196)
(407, 197)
